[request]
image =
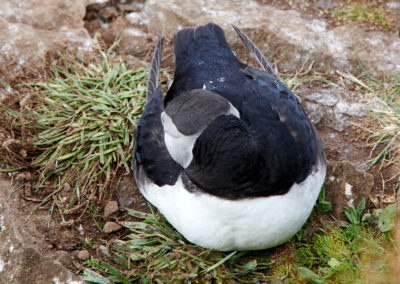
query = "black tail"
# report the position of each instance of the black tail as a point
(184, 38)
(185, 41)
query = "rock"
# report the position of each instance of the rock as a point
(333, 107)
(25, 256)
(83, 254)
(110, 227)
(44, 14)
(31, 34)
(346, 186)
(297, 40)
(111, 210)
(128, 194)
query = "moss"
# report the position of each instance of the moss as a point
(304, 256)
(355, 12)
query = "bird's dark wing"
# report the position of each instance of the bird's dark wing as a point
(255, 52)
(276, 116)
(271, 147)
(225, 161)
(150, 152)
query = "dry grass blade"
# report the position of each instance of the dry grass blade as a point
(352, 78)
(387, 133)
(384, 135)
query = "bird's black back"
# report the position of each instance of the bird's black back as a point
(281, 147)
(264, 152)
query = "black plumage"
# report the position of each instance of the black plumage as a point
(264, 152)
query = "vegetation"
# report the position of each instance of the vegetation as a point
(337, 252)
(383, 133)
(365, 13)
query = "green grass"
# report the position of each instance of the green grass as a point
(355, 12)
(81, 120)
(305, 75)
(337, 252)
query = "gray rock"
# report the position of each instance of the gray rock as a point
(110, 227)
(296, 39)
(45, 14)
(31, 32)
(25, 256)
(83, 254)
(333, 107)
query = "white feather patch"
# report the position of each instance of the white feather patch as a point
(179, 146)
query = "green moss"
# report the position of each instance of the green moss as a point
(347, 252)
(305, 256)
(354, 12)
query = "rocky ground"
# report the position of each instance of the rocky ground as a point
(296, 35)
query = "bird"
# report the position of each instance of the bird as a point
(229, 156)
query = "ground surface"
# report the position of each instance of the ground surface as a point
(344, 141)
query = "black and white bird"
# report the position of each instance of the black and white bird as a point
(229, 157)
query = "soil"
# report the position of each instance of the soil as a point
(108, 20)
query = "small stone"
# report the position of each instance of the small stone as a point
(83, 254)
(125, 191)
(111, 210)
(110, 227)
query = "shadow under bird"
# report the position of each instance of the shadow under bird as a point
(229, 157)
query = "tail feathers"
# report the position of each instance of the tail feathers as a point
(211, 31)
(255, 52)
(184, 38)
(152, 82)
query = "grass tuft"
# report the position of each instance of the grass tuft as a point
(82, 121)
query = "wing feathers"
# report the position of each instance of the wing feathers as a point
(255, 52)
(152, 82)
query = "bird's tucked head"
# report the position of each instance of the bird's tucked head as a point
(185, 118)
